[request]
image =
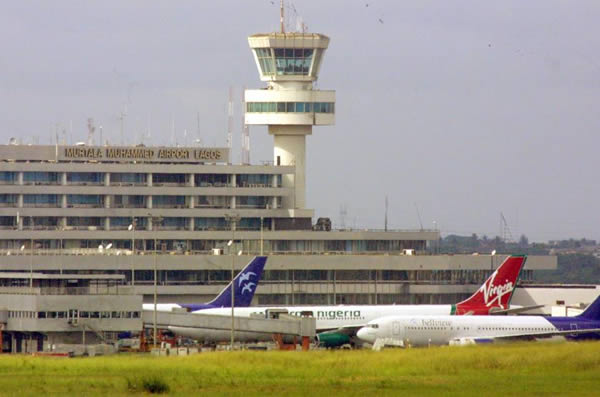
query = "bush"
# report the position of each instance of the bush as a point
(151, 384)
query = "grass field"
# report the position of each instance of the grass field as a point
(503, 370)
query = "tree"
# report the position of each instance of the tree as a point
(523, 241)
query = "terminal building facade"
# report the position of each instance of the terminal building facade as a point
(129, 210)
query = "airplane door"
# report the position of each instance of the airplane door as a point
(397, 330)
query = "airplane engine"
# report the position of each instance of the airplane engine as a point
(332, 339)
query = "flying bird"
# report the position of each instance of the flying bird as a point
(380, 20)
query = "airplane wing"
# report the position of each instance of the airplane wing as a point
(349, 330)
(515, 310)
(535, 335)
(336, 337)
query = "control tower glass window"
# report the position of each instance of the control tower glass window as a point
(293, 61)
(265, 59)
(290, 107)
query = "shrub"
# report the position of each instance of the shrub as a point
(152, 384)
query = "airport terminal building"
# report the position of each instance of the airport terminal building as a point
(107, 215)
(127, 210)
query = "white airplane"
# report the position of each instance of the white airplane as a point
(462, 330)
(337, 325)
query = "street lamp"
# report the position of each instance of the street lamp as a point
(30, 267)
(102, 248)
(232, 219)
(492, 259)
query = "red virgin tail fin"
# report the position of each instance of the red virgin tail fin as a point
(497, 290)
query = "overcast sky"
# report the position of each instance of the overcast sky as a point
(462, 109)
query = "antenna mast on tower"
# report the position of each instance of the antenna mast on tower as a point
(386, 213)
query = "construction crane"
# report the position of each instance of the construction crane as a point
(506, 234)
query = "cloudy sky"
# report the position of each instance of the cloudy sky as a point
(462, 110)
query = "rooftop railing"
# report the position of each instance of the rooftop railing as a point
(124, 251)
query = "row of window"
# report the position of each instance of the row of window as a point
(356, 299)
(531, 329)
(251, 245)
(133, 201)
(457, 328)
(97, 178)
(97, 223)
(284, 52)
(64, 314)
(290, 107)
(285, 61)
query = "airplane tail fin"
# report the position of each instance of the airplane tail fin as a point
(496, 291)
(592, 312)
(244, 285)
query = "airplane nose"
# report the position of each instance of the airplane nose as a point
(366, 334)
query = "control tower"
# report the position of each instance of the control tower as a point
(289, 106)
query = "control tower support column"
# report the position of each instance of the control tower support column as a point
(289, 148)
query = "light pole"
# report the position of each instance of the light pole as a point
(30, 268)
(492, 260)
(232, 219)
(132, 229)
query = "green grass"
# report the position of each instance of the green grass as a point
(503, 370)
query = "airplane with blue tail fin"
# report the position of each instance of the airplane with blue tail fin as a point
(245, 283)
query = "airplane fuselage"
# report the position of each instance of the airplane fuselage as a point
(442, 330)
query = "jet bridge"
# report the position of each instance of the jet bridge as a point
(283, 325)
